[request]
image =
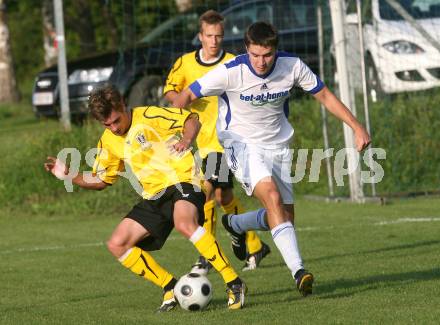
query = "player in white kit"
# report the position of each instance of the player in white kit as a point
(252, 126)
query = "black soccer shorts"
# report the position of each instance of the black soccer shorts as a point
(156, 215)
(216, 170)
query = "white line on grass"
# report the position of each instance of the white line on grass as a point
(406, 220)
(178, 237)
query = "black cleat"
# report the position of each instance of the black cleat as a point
(304, 282)
(253, 260)
(236, 294)
(202, 266)
(238, 240)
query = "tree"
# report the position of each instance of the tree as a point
(78, 19)
(8, 84)
(49, 33)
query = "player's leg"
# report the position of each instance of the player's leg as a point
(256, 249)
(273, 192)
(123, 244)
(186, 221)
(202, 266)
(224, 195)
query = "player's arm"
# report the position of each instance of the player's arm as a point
(191, 128)
(170, 96)
(213, 83)
(184, 98)
(175, 81)
(338, 109)
(85, 180)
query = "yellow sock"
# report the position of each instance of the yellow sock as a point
(233, 207)
(253, 243)
(210, 217)
(143, 264)
(209, 248)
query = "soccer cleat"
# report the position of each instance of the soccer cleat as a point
(169, 301)
(201, 266)
(236, 293)
(238, 240)
(304, 282)
(253, 260)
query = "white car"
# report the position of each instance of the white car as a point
(398, 57)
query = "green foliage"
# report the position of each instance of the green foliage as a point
(407, 126)
(26, 35)
(24, 184)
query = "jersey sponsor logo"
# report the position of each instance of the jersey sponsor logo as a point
(140, 138)
(265, 98)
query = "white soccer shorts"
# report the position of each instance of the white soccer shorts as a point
(251, 163)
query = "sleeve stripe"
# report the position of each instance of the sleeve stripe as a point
(318, 86)
(196, 88)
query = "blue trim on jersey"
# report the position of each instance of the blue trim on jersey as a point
(196, 88)
(263, 76)
(228, 113)
(240, 59)
(286, 108)
(318, 87)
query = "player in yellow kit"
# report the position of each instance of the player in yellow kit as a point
(218, 178)
(154, 142)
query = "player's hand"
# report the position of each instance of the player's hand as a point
(180, 147)
(362, 139)
(57, 168)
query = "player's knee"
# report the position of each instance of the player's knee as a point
(273, 197)
(116, 247)
(209, 191)
(224, 196)
(186, 228)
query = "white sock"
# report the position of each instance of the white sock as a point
(252, 220)
(200, 231)
(284, 237)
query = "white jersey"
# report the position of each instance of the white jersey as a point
(254, 108)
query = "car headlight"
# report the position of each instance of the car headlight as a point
(90, 75)
(403, 47)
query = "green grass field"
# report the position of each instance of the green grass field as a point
(373, 264)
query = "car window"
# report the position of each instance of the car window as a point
(418, 9)
(178, 27)
(238, 19)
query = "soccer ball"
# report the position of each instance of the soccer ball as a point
(193, 291)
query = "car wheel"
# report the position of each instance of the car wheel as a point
(146, 91)
(375, 91)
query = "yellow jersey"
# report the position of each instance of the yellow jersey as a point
(145, 148)
(187, 69)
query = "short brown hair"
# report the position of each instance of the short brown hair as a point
(210, 17)
(261, 33)
(104, 100)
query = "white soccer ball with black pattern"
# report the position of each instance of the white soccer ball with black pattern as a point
(193, 291)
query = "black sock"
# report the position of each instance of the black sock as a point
(298, 273)
(170, 285)
(233, 282)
